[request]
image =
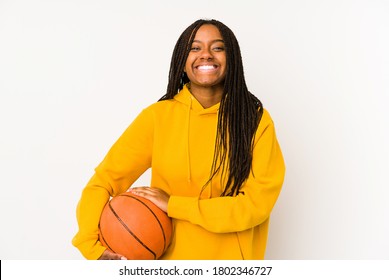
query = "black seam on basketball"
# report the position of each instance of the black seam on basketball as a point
(129, 231)
(159, 222)
(106, 242)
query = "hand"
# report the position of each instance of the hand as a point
(156, 196)
(108, 255)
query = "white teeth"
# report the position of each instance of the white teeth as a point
(206, 67)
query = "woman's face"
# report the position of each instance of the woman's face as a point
(206, 62)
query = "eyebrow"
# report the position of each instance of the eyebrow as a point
(214, 41)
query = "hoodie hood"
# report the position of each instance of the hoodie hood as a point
(187, 98)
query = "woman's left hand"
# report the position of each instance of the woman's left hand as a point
(156, 196)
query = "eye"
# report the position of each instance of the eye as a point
(218, 48)
(195, 48)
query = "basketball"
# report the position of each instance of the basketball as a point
(134, 227)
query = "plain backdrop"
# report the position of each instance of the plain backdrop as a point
(74, 74)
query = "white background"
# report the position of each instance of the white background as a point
(74, 74)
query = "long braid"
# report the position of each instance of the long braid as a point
(177, 76)
(239, 113)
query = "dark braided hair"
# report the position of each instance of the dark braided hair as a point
(239, 113)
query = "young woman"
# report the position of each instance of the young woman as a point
(217, 168)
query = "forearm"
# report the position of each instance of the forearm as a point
(89, 209)
(227, 214)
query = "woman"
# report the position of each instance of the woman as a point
(217, 168)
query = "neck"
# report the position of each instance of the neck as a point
(207, 96)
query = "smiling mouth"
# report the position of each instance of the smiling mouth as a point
(206, 67)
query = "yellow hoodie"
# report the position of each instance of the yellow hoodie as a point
(176, 139)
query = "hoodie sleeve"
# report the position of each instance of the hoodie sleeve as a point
(127, 159)
(259, 193)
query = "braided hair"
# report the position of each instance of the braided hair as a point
(239, 113)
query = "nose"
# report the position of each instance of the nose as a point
(206, 54)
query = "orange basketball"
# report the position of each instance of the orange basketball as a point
(134, 227)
